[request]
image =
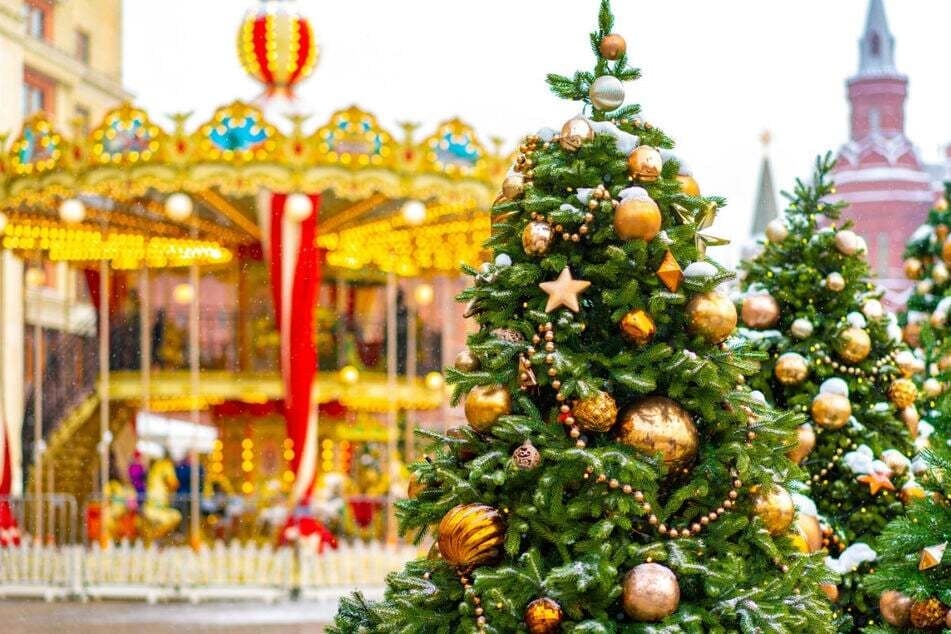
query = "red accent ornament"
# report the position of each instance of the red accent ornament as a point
(276, 46)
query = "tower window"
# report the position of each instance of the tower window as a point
(874, 120)
(876, 45)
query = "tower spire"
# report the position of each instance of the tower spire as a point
(765, 208)
(877, 44)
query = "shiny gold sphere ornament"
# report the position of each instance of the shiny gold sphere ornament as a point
(807, 533)
(485, 404)
(902, 392)
(711, 315)
(895, 608)
(466, 361)
(928, 614)
(612, 46)
(638, 327)
(596, 413)
(543, 616)
(645, 163)
(606, 93)
(805, 443)
(658, 424)
(913, 268)
(537, 237)
(847, 242)
(513, 186)
(775, 507)
(471, 534)
(831, 411)
(689, 185)
(575, 133)
(791, 368)
(776, 230)
(526, 456)
(759, 311)
(853, 345)
(912, 491)
(637, 219)
(831, 591)
(946, 251)
(651, 592)
(835, 282)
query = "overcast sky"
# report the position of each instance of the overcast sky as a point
(715, 73)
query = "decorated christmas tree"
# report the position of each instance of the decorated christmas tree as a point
(614, 476)
(835, 354)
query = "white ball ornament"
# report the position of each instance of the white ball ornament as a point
(847, 242)
(801, 328)
(776, 230)
(932, 387)
(606, 93)
(924, 287)
(298, 207)
(835, 385)
(862, 246)
(939, 273)
(503, 260)
(873, 309)
(856, 320)
(178, 206)
(835, 282)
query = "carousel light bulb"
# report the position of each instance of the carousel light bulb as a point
(348, 375)
(35, 277)
(3, 222)
(298, 207)
(434, 380)
(178, 206)
(424, 294)
(414, 212)
(183, 294)
(72, 211)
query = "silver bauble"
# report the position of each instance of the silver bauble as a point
(606, 93)
(801, 328)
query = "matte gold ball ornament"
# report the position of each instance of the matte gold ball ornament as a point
(575, 133)
(513, 186)
(612, 46)
(913, 268)
(807, 533)
(596, 413)
(805, 443)
(471, 535)
(775, 507)
(759, 311)
(658, 424)
(928, 614)
(776, 230)
(835, 282)
(637, 219)
(712, 316)
(895, 608)
(689, 185)
(831, 411)
(485, 404)
(831, 591)
(847, 242)
(638, 327)
(543, 616)
(466, 361)
(791, 368)
(537, 237)
(903, 393)
(946, 251)
(651, 592)
(645, 163)
(854, 345)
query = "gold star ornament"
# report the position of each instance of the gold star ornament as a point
(564, 291)
(876, 482)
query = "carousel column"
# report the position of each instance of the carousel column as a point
(145, 336)
(193, 369)
(409, 441)
(38, 413)
(342, 322)
(105, 436)
(391, 352)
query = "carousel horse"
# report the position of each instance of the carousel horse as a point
(120, 511)
(161, 519)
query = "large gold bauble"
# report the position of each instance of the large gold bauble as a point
(902, 392)
(484, 405)
(637, 219)
(596, 413)
(805, 443)
(537, 237)
(912, 268)
(946, 251)
(688, 185)
(854, 345)
(651, 592)
(831, 411)
(612, 46)
(637, 326)
(895, 608)
(847, 242)
(759, 311)
(575, 133)
(466, 361)
(658, 424)
(513, 186)
(912, 491)
(775, 507)
(543, 616)
(928, 614)
(712, 316)
(645, 163)
(791, 368)
(471, 534)
(807, 533)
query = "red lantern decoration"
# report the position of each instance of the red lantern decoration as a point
(276, 46)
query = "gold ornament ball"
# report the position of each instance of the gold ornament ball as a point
(596, 413)
(831, 591)
(575, 133)
(946, 251)
(775, 507)
(638, 327)
(645, 163)
(537, 237)
(902, 392)
(847, 242)
(928, 614)
(471, 534)
(906, 362)
(913, 268)
(939, 273)
(805, 443)
(688, 185)
(485, 404)
(808, 533)
(637, 219)
(831, 411)
(911, 333)
(776, 230)
(760, 311)
(513, 186)
(854, 345)
(651, 592)
(543, 616)
(466, 361)
(658, 424)
(932, 387)
(895, 608)
(612, 46)
(791, 368)
(712, 316)
(912, 491)
(835, 282)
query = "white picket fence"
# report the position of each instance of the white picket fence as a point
(221, 572)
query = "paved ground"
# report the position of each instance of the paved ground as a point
(119, 617)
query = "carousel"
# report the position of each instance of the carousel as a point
(272, 310)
